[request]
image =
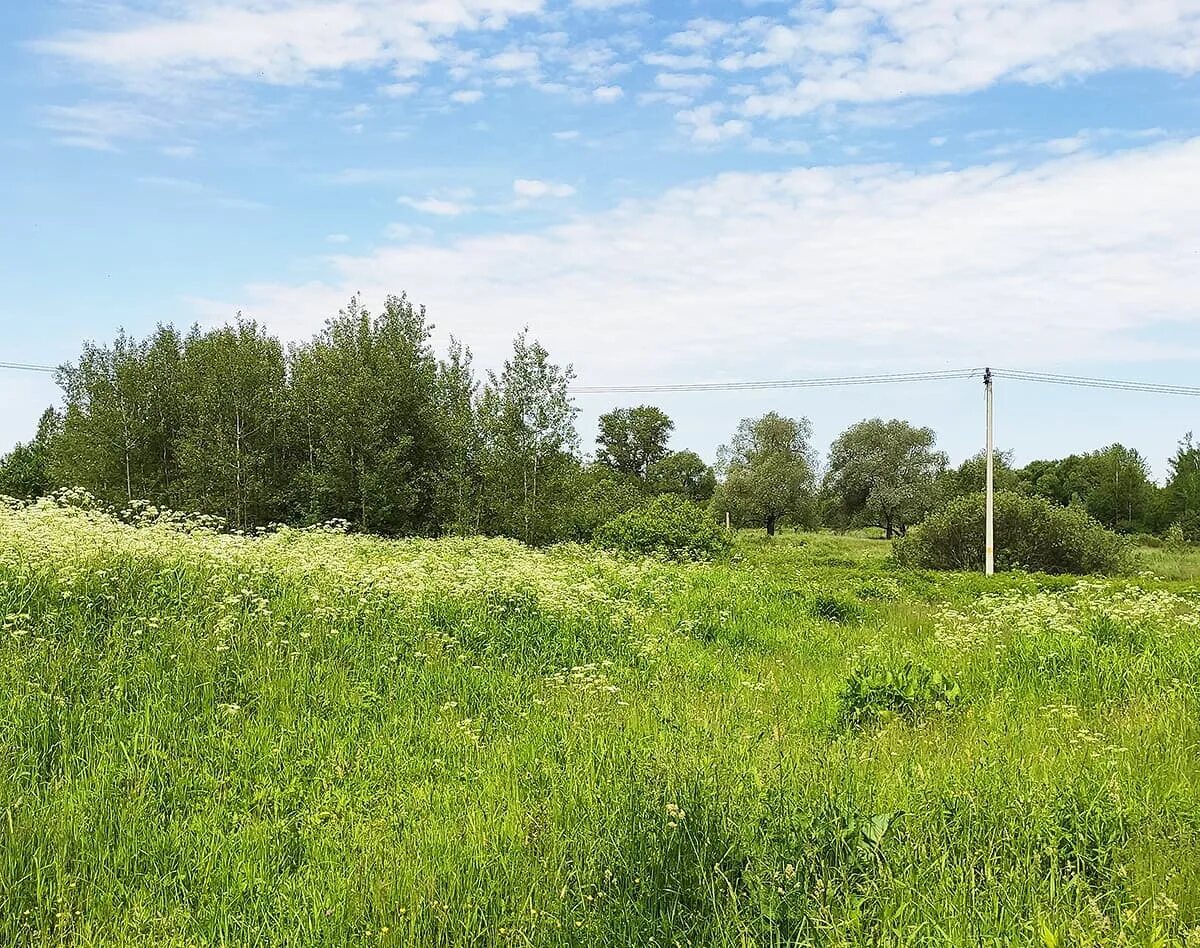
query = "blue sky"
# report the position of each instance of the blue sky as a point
(663, 192)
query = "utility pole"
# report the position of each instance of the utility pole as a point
(989, 564)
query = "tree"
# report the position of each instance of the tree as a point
(527, 434)
(1112, 484)
(25, 470)
(459, 481)
(1182, 493)
(115, 400)
(683, 473)
(229, 444)
(767, 471)
(367, 411)
(970, 477)
(631, 440)
(883, 472)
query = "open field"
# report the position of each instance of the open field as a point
(319, 739)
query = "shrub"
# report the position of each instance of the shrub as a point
(878, 693)
(833, 608)
(1031, 533)
(669, 526)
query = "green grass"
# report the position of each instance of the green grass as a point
(313, 739)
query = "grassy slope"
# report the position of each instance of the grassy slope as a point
(328, 740)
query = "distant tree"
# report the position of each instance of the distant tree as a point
(376, 428)
(527, 431)
(883, 472)
(683, 473)
(25, 470)
(458, 482)
(119, 418)
(632, 440)
(1182, 493)
(767, 472)
(1112, 484)
(970, 477)
(229, 444)
(1122, 495)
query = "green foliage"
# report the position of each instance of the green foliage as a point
(683, 473)
(632, 440)
(25, 470)
(883, 472)
(1030, 533)
(1182, 493)
(876, 693)
(527, 430)
(768, 470)
(668, 526)
(201, 731)
(833, 608)
(1112, 484)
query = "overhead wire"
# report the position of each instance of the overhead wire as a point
(1021, 375)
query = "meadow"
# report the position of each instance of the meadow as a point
(314, 738)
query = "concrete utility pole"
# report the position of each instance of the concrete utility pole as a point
(989, 564)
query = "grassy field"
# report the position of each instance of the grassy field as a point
(315, 739)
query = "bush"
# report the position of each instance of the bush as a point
(1031, 533)
(877, 693)
(667, 526)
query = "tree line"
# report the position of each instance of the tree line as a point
(366, 424)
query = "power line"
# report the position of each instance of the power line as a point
(1020, 375)
(1083, 381)
(781, 383)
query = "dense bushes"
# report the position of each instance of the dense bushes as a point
(667, 526)
(1031, 533)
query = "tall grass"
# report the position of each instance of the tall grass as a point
(313, 739)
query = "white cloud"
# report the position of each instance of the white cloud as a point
(466, 96)
(1070, 260)
(683, 82)
(440, 207)
(399, 90)
(607, 93)
(513, 60)
(533, 188)
(882, 50)
(179, 151)
(283, 42)
(99, 125)
(567, 135)
(705, 126)
(337, 238)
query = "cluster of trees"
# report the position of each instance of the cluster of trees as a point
(362, 423)
(365, 423)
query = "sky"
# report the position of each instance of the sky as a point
(662, 191)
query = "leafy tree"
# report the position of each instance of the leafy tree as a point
(118, 409)
(367, 409)
(970, 476)
(683, 473)
(229, 444)
(527, 431)
(768, 472)
(1112, 484)
(1182, 493)
(25, 470)
(883, 472)
(458, 481)
(632, 440)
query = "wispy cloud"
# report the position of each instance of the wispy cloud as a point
(534, 188)
(204, 192)
(1061, 261)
